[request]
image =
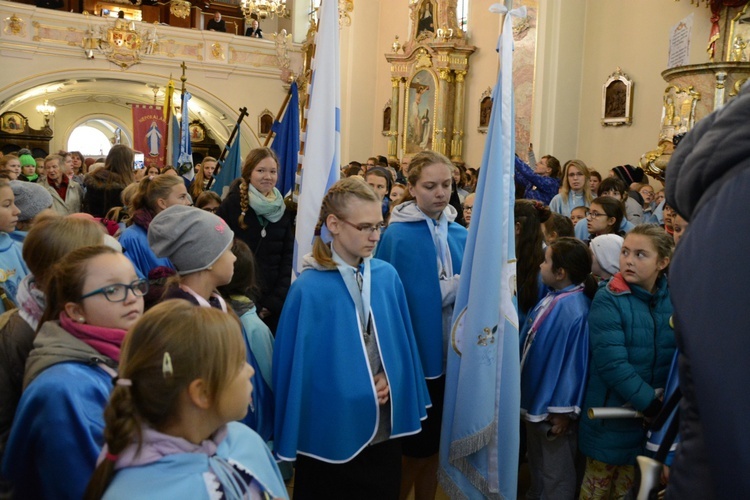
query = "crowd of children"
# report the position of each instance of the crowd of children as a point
(166, 352)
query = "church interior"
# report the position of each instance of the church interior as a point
(575, 63)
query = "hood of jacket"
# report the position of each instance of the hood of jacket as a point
(103, 178)
(54, 345)
(409, 212)
(708, 155)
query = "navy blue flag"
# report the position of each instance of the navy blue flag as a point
(286, 143)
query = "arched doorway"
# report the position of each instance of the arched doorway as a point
(95, 136)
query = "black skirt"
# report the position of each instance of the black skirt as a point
(427, 442)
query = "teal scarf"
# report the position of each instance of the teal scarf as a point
(271, 210)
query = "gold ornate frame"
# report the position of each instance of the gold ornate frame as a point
(617, 100)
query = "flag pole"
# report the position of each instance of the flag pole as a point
(243, 114)
(278, 116)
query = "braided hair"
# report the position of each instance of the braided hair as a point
(336, 202)
(251, 161)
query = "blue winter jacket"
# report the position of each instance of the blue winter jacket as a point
(632, 345)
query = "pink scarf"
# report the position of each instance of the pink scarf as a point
(106, 341)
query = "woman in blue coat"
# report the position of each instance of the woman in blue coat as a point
(632, 345)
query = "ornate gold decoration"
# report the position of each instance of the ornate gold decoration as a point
(424, 60)
(396, 45)
(121, 43)
(180, 8)
(217, 51)
(737, 86)
(445, 74)
(345, 7)
(460, 76)
(617, 100)
(264, 8)
(15, 26)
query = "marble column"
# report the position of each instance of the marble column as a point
(457, 143)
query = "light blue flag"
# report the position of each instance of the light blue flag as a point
(231, 168)
(184, 163)
(320, 165)
(481, 413)
(286, 143)
(174, 140)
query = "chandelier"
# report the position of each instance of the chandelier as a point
(264, 8)
(47, 110)
(179, 8)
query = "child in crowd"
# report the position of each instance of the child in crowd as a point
(426, 247)
(240, 292)
(468, 208)
(529, 217)
(342, 403)
(632, 345)
(554, 367)
(397, 193)
(594, 180)
(606, 216)
(380, 180)
(615, 188)
(203, 177)
(605, 250)
(557, 226)
(199, 243)
(28, 168)
(208, 201)
(10, 167)
(31, 199)
(46, 244)
(153, 196)
(93, 297)
(574, 191)
(578, 214)
(254, 209)
(12, 266)
(170, 430)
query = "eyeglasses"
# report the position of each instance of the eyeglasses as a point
(365, 228)
(468, 208)
(118, 292)
(594, 215)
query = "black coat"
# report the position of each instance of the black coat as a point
(254, 33)
(102, 193)
(273, 253)
(708, 181)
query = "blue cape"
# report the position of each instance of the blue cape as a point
(182, 475)
(134, 241)
(58, 432)
(554, 375)
(326, 406)
(409, 247)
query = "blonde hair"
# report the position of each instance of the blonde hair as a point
(51, 239)
(212, 349)
(151, 190)
(418, 163)
(57, 158)
(336, 202)
(196, 188)
(252, 159)
(565, 186)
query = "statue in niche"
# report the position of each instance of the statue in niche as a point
(387, 119)
(426, 18)
(485, 111)
(738, 50)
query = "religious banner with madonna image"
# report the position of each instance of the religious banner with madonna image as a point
(150, 134)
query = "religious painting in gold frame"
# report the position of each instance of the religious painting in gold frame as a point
(617, 100)
(12, 123)
(419, 111)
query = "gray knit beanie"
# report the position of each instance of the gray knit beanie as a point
(31, 198)
(193, 239)
(606, 250)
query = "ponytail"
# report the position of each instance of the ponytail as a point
(574, 257)
(122, 425)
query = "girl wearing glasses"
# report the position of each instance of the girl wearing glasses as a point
(426, 247)
(346, 371)
(93, 297)
(605, 217)
(153, 196)
(574, 191)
